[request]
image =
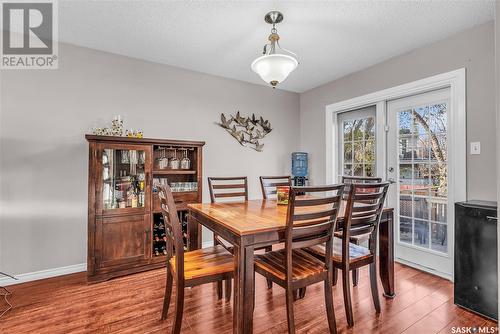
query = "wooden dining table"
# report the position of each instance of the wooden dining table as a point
(256, 223)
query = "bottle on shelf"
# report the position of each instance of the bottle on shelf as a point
(157, 253)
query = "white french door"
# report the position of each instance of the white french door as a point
(418, 163)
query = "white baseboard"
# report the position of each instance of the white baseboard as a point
(426, 269)
(37, 275)
(76, 268)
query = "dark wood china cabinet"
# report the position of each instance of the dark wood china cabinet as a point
(125, 226)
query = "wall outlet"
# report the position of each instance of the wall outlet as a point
(475, 147)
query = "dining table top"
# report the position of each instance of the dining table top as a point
(253, 216)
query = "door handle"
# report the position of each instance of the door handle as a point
(391, 180)
(492, 218)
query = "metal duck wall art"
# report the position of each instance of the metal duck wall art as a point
(246, 130)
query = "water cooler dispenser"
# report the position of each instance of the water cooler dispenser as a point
(299, 168)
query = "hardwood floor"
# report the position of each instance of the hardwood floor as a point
(133, 304)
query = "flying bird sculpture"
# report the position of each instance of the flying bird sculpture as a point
(246, 130)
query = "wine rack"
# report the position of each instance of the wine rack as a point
(160, 237)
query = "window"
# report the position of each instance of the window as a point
(358, 145)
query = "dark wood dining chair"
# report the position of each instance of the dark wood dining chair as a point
(229, 189)
(358, 239)
(188, 269)
(309, 222)
(268, 184)
(365, 203)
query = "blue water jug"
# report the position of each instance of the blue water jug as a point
(299, 164)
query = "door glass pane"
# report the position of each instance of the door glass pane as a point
(421, 148)
(123, 178)
(405, 230)
(405, 206)
(423, 176)
(439, 240)
(438, 210)
(421, 208)
(421, 233)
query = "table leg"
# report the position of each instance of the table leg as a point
(243, 290)
(386, 256)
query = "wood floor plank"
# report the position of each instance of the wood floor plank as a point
(132, 304)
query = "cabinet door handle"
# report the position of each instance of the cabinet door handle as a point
(492, 218)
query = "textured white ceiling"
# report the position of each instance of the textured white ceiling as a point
(332, 38)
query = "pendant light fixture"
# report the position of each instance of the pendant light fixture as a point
(274, 67)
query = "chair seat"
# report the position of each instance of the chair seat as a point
(304, 264)
(211, 261)
(356, 253)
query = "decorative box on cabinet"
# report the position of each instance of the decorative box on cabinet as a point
(124, 214)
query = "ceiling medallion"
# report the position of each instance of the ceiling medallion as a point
(274, 67)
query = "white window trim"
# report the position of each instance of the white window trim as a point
(457, 176)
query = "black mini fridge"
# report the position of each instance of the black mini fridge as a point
(476, 281)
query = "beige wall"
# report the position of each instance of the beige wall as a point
(472, 49)
(45, 114)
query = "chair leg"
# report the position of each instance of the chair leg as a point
(330, 313)
(302, 293)
(179, 309)
(347, 297)
(289, 310)
(168, 294)
(227, 287)
(355, 277)
(219, 290)
(269, 282)
(355, 272)
(254, 295)
(374, 287)
(335, 276)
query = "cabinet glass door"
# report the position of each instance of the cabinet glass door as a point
(124, 178)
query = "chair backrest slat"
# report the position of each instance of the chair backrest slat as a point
(242, 194)
(348, 180)
(314, 215)
(317, 201)
(237, 185)
(173, 229)
(311, 221)
(268, 184)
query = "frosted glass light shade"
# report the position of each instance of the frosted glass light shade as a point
(274, 68)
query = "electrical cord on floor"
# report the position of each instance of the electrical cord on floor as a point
(6, 293)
